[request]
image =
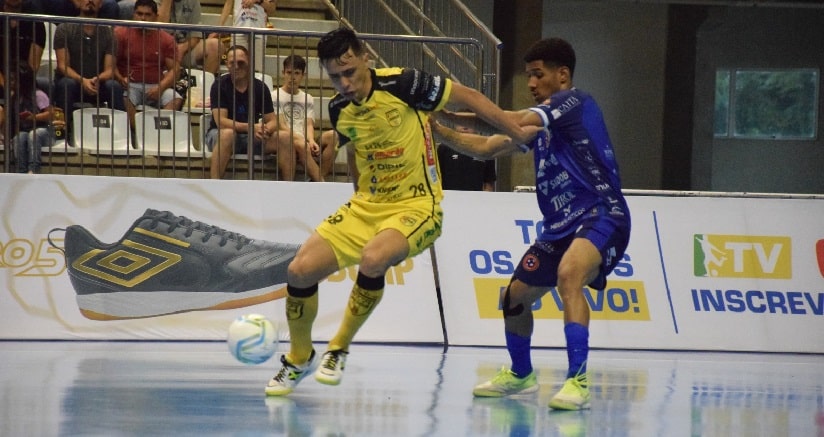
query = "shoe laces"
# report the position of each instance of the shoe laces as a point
(330, 362)
(578, 382)
(504, 376)
(285, 373)
(208, 230)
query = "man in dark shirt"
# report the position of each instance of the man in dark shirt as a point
(109, 9)
(85, 64)
(464, 172)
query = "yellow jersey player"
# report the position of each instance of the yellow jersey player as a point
(382, 118)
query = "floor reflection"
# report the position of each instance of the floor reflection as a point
(97, 388)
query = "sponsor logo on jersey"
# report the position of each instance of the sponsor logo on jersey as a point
(393, 117)
(386, 167)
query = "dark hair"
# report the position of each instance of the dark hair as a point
(147, 3)
(237, 47)
(337, 42)
(24, 79)
(554, 52)
(296, 62)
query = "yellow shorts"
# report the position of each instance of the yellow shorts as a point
(357, 222)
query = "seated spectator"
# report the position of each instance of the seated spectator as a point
(85, 65)
(34, 118)
(463, 172)
(329, 151)
(146, 63)
(30, 38)
(297, 111)
(193, 51)
(109, 9)
(249, 13)
(233, 123)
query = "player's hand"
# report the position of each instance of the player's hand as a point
(247, 3)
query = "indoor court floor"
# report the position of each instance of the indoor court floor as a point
(76, 388)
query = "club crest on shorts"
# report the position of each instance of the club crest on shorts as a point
(408, 221)
(530, 262)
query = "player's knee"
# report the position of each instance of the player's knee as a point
(298, 274)
(373, 270)
(511, 305)
(373, 264)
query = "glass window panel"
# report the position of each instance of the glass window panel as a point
(780, 104)
(722, 103)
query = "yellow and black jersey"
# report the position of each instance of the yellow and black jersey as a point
(391, 136)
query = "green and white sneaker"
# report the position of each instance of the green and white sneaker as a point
(506, 383)
(290, 375)
(574, 395)
(330, 371)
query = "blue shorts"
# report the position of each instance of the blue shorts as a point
(539, 265)
(241, 144)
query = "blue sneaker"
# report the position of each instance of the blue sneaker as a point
(166, 264)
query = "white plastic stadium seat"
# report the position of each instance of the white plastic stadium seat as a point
(267, 79)
(200, 85)
(164, 132)
(60, 146)
(102, 131)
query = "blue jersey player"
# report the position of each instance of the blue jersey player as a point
(586, 222)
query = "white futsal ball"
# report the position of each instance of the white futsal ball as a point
(252, 339)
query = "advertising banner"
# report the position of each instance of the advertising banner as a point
(708, 273)
(39, 301)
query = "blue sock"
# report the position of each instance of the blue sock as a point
(577, 340)
(519, 351)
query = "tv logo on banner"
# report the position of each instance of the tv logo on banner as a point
(742, 256)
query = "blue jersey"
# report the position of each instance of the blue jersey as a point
(576, 174)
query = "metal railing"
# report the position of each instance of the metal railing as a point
(441, 18)
(157, 158)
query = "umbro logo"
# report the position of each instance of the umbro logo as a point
(129, 265)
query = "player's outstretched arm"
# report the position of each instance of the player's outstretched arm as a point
(523, 118)
(489, 112)
(478, 146)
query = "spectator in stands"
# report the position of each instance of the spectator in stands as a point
(33, 120)
(233, 123)
(30, 38)
(85, 64)
(464, 172)
(146, 63)
(296, 110)
(72, 8)
(249, 13)
(193, 51)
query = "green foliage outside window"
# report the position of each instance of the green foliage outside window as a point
(767, 104)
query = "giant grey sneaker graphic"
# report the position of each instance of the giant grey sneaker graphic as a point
(166, 264)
